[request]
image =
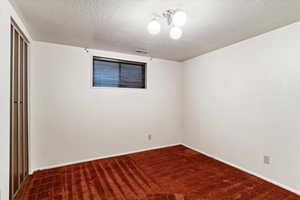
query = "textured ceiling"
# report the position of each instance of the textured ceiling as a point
(120, 25)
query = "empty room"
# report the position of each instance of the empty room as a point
(150, 100)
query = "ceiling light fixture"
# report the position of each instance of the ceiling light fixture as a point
(179, 18)
(154, 27)
(175, 33)
(174, 17)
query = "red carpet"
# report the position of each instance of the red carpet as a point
(173, 173)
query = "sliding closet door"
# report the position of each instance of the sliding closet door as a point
(14, 111)
(20, 113)
(19, 110)
(25, 110)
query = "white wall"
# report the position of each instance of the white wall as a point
(243, 102)
(6, 12)
(72, 121)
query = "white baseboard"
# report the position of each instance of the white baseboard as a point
(247, 171)
(101, 157)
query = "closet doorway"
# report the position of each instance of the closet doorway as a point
(19, 110)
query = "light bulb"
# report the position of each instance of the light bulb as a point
(175, 33)
(179, 18)
(154, 27)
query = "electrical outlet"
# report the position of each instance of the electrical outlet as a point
(149, 137)
(267, 160)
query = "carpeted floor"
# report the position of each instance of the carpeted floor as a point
(173, 173)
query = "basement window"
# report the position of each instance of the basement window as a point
(109, 72)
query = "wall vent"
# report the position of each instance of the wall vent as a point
(141, 51)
